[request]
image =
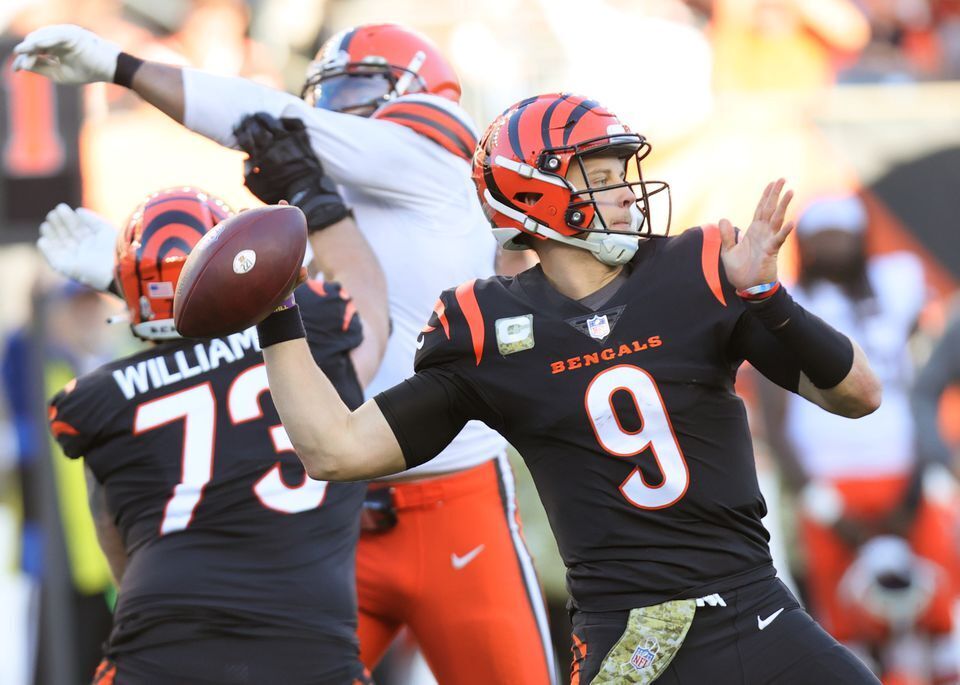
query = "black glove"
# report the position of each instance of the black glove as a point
(283, 166)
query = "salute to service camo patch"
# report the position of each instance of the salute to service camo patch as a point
(649, 643)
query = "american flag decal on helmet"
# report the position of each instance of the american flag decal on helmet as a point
(160, 289)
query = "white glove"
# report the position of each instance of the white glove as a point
(67, 54)
(79, 244)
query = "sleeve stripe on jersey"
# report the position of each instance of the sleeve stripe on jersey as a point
(443, 117)
(435, 123)
(349, 311)
(467, 297)
(59, 428)
(710, 261)
(317, 286)
(432, 130)
(440, 309)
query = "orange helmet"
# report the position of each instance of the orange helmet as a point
(520, 166)
(363, 67)
(152, 249)
(888, 589)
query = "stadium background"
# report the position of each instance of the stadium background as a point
(731, 93)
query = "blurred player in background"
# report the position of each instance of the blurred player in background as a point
(232, 566)
(65, 338)
(941, 371)
(442, 552)
(876, 531)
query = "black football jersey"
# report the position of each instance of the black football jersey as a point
(626, 417)
(221, 526)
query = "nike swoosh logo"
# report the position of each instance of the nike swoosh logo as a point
(420, 342)
(764, 622)
(460, 562)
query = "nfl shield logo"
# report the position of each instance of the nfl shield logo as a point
(642, 658)
(598, 327)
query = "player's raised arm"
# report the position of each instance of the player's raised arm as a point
(833, 371)
(400, 428)
(72, 55)
(333, 443)
(361, 151)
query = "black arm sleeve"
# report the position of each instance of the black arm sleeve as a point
(429, 409)
(824, 354)
(753, 342)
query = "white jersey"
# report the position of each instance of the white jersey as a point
(882, 443)
(413, 201)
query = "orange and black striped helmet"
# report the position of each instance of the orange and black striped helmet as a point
(520, 169)
(361, 68)
(152, 249)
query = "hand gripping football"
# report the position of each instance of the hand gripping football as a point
(240, 271)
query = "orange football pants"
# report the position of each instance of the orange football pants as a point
(455, 570)
(932, 537)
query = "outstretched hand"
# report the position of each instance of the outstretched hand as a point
(67, 54)
(752, 260)
(79, 244)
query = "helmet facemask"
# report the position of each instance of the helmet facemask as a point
(609, 245)
(362, 87)
(583, 212)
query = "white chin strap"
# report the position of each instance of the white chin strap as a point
(610, 248)
(616, 248)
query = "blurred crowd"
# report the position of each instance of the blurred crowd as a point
(731, 92)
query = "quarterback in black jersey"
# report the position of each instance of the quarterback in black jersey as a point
(233, 566)
(611, 368)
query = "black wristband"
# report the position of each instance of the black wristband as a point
(127, 66)
(824, 354)
(329, 221)
(281, 326)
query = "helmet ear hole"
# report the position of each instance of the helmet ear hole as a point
(528, 199)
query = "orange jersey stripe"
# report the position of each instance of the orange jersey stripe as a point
(317, 287)
(467, 297)
(437, 115)
(59, 428)
(440, 309)
(710, 261)
(435, 123)
(348, 313)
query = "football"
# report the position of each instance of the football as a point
(240, 271)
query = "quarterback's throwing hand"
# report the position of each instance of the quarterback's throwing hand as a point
(79, 244)
(67, 54)
(753, 259)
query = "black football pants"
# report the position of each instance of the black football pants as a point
(745, 642)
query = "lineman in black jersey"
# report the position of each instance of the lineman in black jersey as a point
(611, 368)
(233, 566)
